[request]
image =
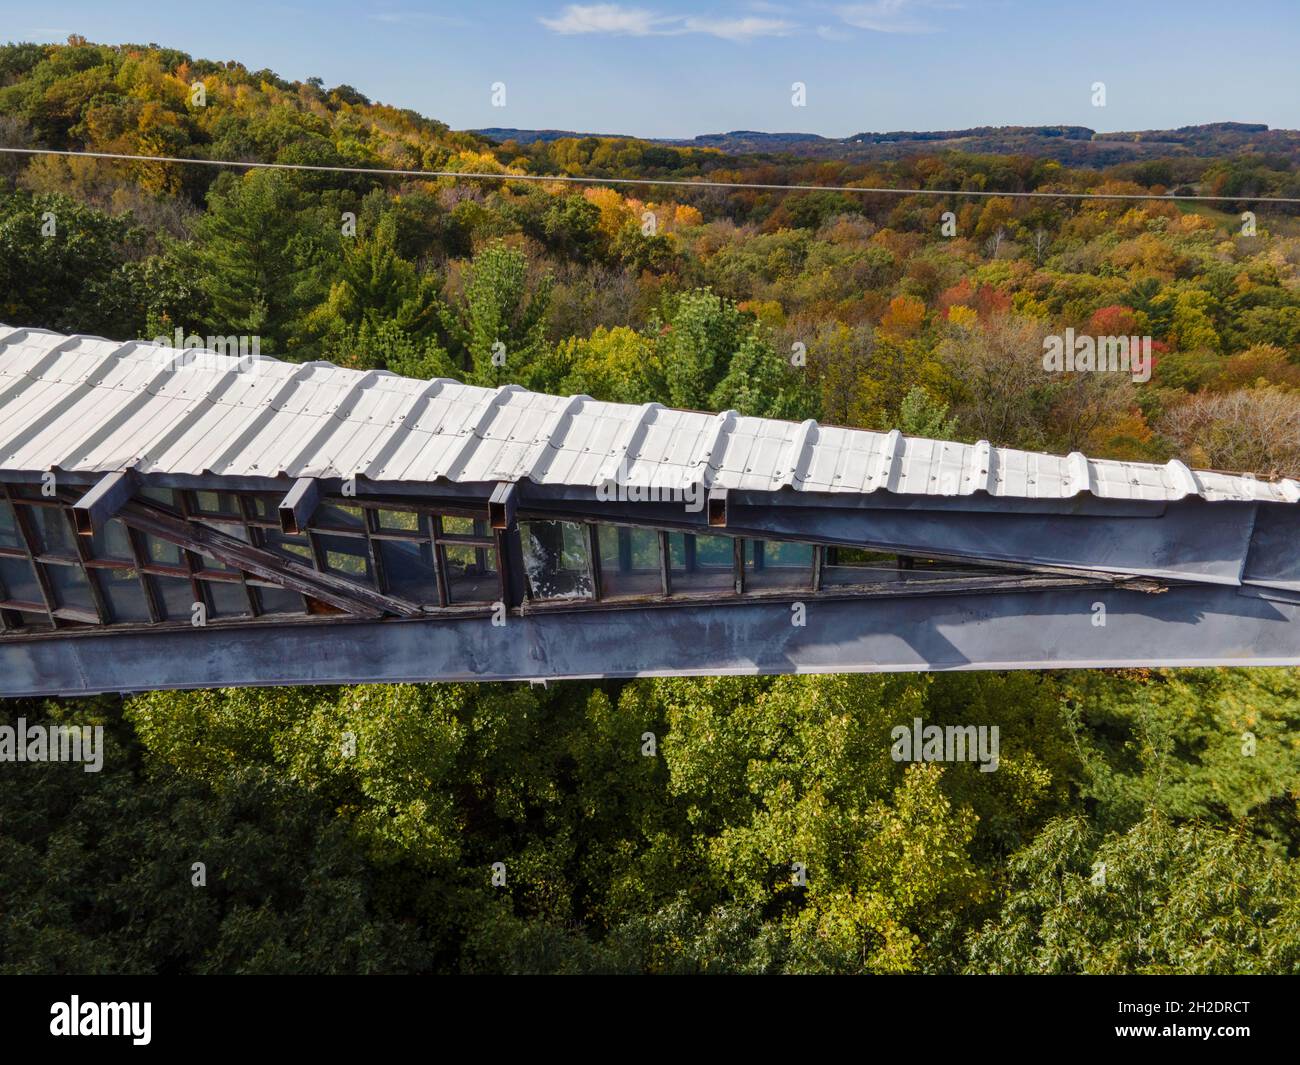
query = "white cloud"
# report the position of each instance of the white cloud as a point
(613, 19)
(738, 29)
(606, 18)
(890, 16)
(833, 33)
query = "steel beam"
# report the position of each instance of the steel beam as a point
(718, 507)
(356, 599)
(1189, 625)
(111, 493)
(503, 505)
(1193, 540)
(299, 505)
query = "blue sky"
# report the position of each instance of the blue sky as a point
(660, 68)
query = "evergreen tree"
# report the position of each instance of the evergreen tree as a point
(258, 254)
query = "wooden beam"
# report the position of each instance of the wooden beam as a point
(299, 505)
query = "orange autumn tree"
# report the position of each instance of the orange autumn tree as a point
(905, 316)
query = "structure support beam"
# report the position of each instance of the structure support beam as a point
(93, 510)
(513, 583)
(338, 592)
(1190, 625)
(718, 508)
(299, 505)
(503, 505)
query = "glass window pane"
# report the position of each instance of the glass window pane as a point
(175, 596)
(271, 600)
(265, 507)
(858, 565)
(123, 594)
(217, 503)
(112, 541)
(35, 621)
(629, 561)
(53, 531)
(8, 528)
(347, 556)
(861, 556)
(163, 552)
(773, 564)
(227, 598)
(70, 587)
(935, 569)
(294, 546)
(408, 569)
(19, 580)
(556, 559)
(164, 496)
(400, 521)
(471, 574)
(701, 563)
(338, 516)
(452, 525)
(229, 528)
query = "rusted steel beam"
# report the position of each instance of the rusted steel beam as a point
(718, 507)
(356, 599)
(111, 493)
(502, 505)
(299, 505)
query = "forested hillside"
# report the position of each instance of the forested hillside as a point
(1075, 145)
(699, 298)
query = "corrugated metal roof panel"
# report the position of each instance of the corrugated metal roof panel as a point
(86, 404)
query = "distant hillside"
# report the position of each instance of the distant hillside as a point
(533, 136)
(140, 100)
(1073, 145)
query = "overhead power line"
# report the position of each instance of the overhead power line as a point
(701, 183)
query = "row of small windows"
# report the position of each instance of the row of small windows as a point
(52, 578)
(578, 560)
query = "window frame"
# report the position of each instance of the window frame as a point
(258, 516)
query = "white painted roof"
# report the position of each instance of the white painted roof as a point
(85, 404)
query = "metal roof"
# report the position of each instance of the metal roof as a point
(85, 404)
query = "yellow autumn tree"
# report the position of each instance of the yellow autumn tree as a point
(614, 211)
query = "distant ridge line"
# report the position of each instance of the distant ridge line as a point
(1069, 144)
